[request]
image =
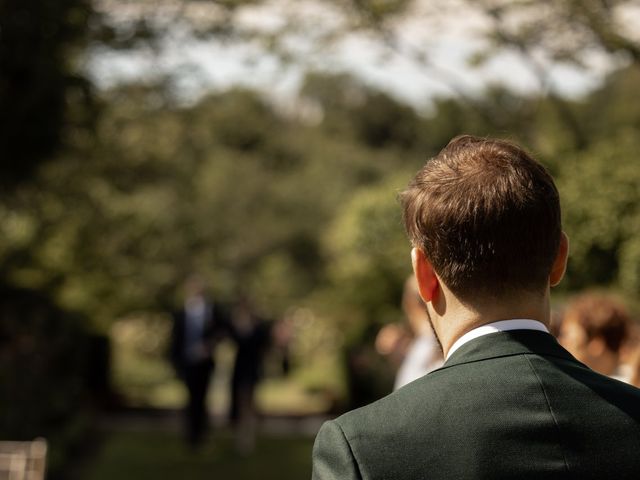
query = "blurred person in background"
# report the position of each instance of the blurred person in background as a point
(196, 328)
(415, 350)
(595, 329)
(424, 353)
(485, 227)
(253, 335)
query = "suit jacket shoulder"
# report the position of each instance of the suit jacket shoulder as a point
(507, 405)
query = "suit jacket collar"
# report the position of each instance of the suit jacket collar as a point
(502, 344)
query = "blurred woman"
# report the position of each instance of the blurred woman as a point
(416, 351)
(595, 329)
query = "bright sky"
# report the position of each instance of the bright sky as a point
(198, 66)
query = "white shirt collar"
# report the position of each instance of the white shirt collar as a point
(501, 326)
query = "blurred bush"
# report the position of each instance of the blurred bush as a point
(141, 369)
(52, 373)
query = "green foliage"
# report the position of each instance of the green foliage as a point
(600, 191)
(608, 110)
(350, 109)
(44, 99)
(374, 13)
(291, 211)
(141, 370)
(369, 253)
(295, 207)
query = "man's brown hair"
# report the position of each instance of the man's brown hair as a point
(486, 215)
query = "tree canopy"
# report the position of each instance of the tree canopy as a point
(114, 196)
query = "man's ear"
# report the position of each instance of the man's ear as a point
(425, 275)
(560, 263)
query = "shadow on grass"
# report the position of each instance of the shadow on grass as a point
(125, 455)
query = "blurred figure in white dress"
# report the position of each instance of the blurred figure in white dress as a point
(415, 349)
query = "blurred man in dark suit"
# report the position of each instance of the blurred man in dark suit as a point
(509, 401)
(196, 328)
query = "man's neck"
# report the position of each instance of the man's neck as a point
(452, 319)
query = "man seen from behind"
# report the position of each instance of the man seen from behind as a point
(509, 402)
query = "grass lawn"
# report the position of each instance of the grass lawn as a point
(161, 455)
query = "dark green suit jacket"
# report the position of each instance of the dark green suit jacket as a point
(508, 405)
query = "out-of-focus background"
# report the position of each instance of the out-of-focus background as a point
(261, 145)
